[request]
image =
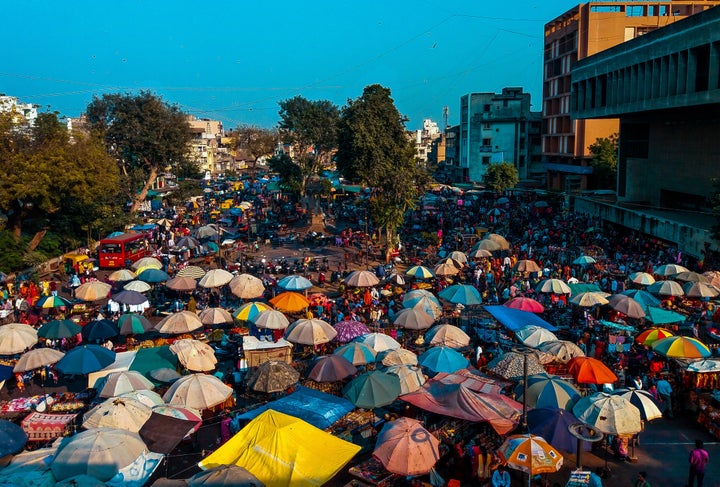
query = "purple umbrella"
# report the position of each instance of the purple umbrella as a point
(348, 330)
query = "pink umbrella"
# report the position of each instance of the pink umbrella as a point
(350, 329)
(525, 304)
(405, 447)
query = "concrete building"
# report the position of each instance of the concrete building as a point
(205, 145)
(496, 127)
(665, 90)
(23, 113)
(583, 31)
(423, 140)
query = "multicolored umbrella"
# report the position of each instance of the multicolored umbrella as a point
(584, 260)
(405, 447)
(348, 330)
(612, 415)
(290, 302)
(419, 272)
(549, 391)
(642, 400)
(464, 294)
(146, 263)
(250, 311)
(84, 359)
(294, 283)
(588, 370)
(651, 335)
(133, 324)
(589, 299)
(530, 454)
(642, 278)
(553, 286)
(681, 347)
(357, 353)
(443, 359)
(372, 389)
(331, 368)
(56, 329)
(525, 304)
(48, 302)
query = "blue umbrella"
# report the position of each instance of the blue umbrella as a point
(357, 353)
(6, 371)
(443, 359)
(464, 294)
(100, 330)
(153, 276)
(14, 438)
(84, 359)
(294, 283)
(552, 424)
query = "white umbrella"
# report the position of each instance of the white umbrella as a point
(36, 358)
(178, 323)
(411, 377)
(613, 415)
(533, 335)
(272, 320)
(120, 413)
(117, 383)
(670, 270)
(379, 342)
(245, 286)
(447, 336)
(666, 288)
(144, 396)
(93, 291)
(562, 350)
(198, 391)
(362, 279)
(554, 286)
(215, 278)
(194, 354)
(399, 356)
(122, 275)
(138, 286)
(16, 338)
(215, 316)
(310, 332)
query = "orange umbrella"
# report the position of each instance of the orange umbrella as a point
(651, 335)
(587, 370)
(290, 302)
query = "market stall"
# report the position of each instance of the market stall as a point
(44, 427)
(258, 351)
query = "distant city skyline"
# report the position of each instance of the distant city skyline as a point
(234, 63)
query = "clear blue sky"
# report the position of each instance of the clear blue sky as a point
(234, 61)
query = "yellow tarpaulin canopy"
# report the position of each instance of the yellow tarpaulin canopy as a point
(282, 451)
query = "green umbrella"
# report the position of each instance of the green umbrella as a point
(372, 389)
(133, 324)
(59, 329)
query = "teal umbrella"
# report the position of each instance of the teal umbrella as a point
(357, 353)
(133, 324)
(84, 359)
(443, 359)
(659, 316)
(152, 276)
(584, 260)
(372, 389)
(59, 329)
(464, 294)
(643, 297)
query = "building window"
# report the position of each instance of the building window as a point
(487, 142)
(486, 107)
(505, 103)
(634, 11)
(486, 126)
(605, 8)
(486, 160)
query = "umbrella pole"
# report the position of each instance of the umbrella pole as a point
(525, 375)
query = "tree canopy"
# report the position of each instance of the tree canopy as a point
(254, 142)
(142, 132)
(604, 162)
(501, 176)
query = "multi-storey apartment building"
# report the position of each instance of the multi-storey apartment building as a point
(580, 32)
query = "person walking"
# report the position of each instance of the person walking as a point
(699, 458)
(641, 480)
(664, 390)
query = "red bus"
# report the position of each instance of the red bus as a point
(115, 252)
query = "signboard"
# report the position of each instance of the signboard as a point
(579, 478)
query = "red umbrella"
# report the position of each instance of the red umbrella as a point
(587, 370)
(525, 304)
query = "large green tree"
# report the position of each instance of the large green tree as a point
(142, 132)
(254, 142)
(501, 176)
(291, 176)
(375, 150)
(312, 129)
(604, 162)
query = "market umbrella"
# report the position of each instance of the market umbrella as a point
(588, 370)
(187, 242)
(524, 304)
(651, 335)
(356, 353)
(181, 412)
(362, 279)
(133, 324)
(642, 400)
(93, 291)
(681, 347)
(400, 356)
(215, 316)
(273, 376)
(146, 263)
(428, 304)
(499, 239)
(165, 374)
(225, 475)
(666, 288)
(250, 311)
(533, 335)
(36, 358)
(215, 278)
(194, 354)
(405, 447)
(446, 269)
(670, 270)
(84, 359)
(704, 366)
(129, 297)
(642, 278)
(16, 338)
(588, 299)
(553, 286)
(183, 284)
(552, 424)
(442, 359)
(626, 305)
(179, 323)
(99, 330)
(526, 266)
(348, 330)
(447, 336)
(372, 389)
(713, 277)
(290, 302)
(379, 342)
(511, 365)
(479, 253)
(419, 272)
(331, 368)
(198, 391)
(610, 414)
(55, 329)
(411, 377)
(548, 391)
(126, 414)
(271, 319)
(487, 245)
(310, 332)
(49, 302)
(530, 454)
(562, 350)
(122, 275)
(584, 260)
(191, 271)
(643, 297)
(139, 286)
(294, 283)
(700, 290)
(464, 294)
(117, 383)
(13, 437)
(412, 298)
(413, 319)
(397, 279)
(153, 276)
(98, 452)
(145, 396)
(458, 256)
(245, 286)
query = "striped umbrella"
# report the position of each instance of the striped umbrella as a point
(48, 302)
(133, 324)
(357, 353)
(642, 400)
(191, 271)
(419, 272)
(271, 319)
(250, 311)
(651, 335)
(681, 347)
(549, 391)
(642, 278)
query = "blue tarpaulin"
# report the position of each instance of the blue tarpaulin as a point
(317, 408)
(514, 319)
(659, 316)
